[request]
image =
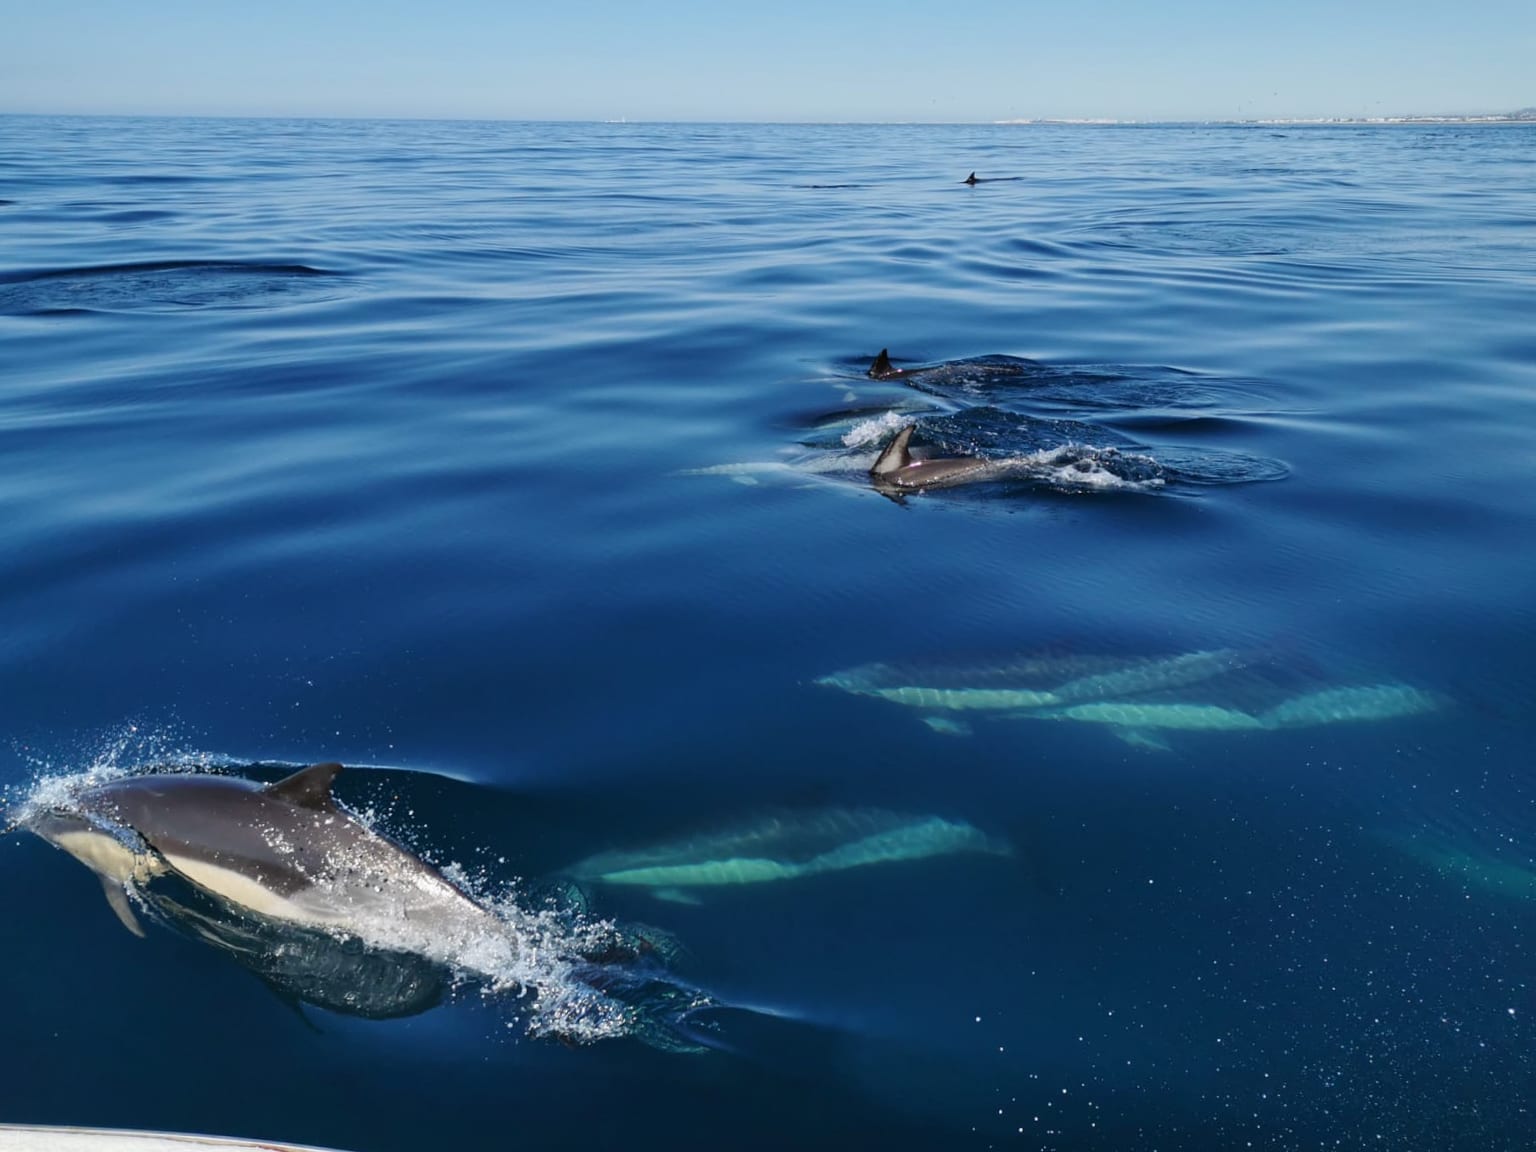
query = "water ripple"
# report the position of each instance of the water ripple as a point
(161, 286)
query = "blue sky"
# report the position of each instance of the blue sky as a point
(790, 60)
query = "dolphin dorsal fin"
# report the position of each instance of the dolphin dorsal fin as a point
(308, 787)
(882, 367)
(971, 179)
(895, 457)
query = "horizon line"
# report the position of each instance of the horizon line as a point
(1521, 115)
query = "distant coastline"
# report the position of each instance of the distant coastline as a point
(1523, 116)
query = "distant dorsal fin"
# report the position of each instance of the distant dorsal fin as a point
(896, 456)
(882, 367)
(971, 179)
(308, 787)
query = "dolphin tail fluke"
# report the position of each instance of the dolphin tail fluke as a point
(117, 898)
(896, 455)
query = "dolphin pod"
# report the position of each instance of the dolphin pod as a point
(1005, 439)
(1211, 690)
(897, 470)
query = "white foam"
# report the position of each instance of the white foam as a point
(106, 757)
(867, 433)
(1082, 466)
(750, 468)
(506, 949)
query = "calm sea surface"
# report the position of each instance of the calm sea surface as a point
(522, 462)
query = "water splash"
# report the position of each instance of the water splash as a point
(875, 431)
(570, 975)
(1082, 467)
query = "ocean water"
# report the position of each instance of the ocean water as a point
(525, 464)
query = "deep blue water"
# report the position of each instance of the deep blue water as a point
(401, 444)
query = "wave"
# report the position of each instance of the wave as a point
(160, 286)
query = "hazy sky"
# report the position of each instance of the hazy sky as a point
(788, 60)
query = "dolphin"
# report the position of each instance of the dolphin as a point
(1352, 703)
(285, 851)
(291, 884)
(883, 369)
(1157, 674)
(786, 847)
(895, 470)
(1135, 716)
(1025, 683)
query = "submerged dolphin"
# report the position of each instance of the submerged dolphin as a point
(897, 470)
(784, 848)
(285, 851)
(1025, 683)
(1210, 690)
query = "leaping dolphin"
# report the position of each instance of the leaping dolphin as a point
(285, 850)
(282, 872)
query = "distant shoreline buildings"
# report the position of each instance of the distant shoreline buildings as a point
(1523, 116)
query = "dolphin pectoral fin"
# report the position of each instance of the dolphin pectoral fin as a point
(948, 725)
(1142, 739)
(292, 1003)
(308, 787)
(675, 896)
(117, 897)
(895, 457)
